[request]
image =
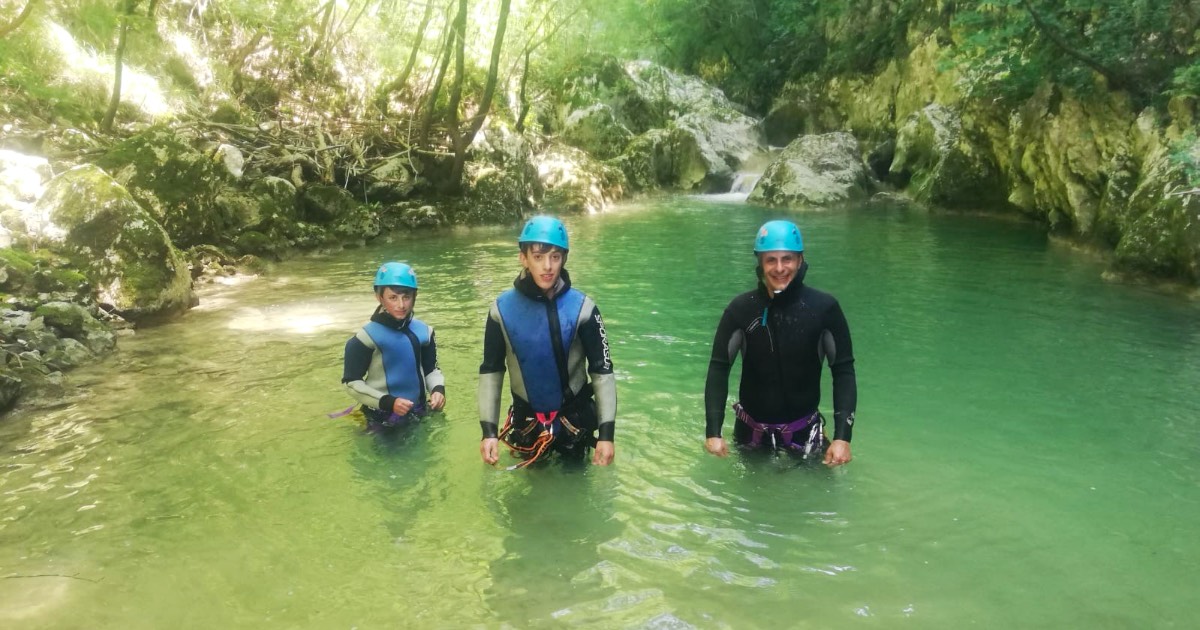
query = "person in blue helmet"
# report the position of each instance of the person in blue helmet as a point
(390, 365)
(550, 338)
(784, 330)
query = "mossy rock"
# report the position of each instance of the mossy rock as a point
(123, 251)
(1162, 236)
(175, 183)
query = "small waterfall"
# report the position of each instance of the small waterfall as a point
(743, 184)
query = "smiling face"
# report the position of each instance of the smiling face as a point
(544, 264)
(398, 304)
(779, 268)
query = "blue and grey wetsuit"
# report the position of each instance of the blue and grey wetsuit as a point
(389, 359)
(555, 351)
(783, 340)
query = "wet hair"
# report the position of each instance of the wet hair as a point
(543, 248)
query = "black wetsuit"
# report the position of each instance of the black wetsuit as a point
(783, 341)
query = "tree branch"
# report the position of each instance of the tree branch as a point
(16, 23)
(1115, 78)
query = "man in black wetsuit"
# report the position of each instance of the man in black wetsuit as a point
(784, 330)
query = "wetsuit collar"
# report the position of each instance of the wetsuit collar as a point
(383, 317)
(790, 293)
(525, 284)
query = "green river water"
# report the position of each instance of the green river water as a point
(1027, 451)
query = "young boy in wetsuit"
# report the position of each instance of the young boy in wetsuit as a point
(550, 338)
(391, 363)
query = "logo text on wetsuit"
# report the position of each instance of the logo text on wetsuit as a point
(603, 341)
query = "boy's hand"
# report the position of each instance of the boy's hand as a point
(490, 451)
(402, 406)
(437, 400)
(603, 454)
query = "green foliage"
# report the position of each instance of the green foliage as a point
(28, 80)
(1008, 47)
(751, 48)
(1186, 80)
(93, 22)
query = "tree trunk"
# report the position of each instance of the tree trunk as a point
(485, 104)
(523, 95)
(323, 33)
(459, 35)
(402, 79)
(111, 115)
(16, 23)
(431, 98)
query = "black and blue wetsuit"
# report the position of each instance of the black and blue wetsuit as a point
(555, 351)
(783, 340)
(389, 359)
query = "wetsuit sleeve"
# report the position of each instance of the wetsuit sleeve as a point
(356, 361)
(434, 381)
(726, 344)
(600, 369)
(839, 352)
(491, 374)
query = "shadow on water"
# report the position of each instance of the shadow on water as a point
(403, 466)
(557, 517)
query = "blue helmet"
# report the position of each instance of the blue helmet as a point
(396, 274)
(544, 229)
(778, 235)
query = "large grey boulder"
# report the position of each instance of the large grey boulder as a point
(573, 182)
(597, 130)
(648, 119)
(813, 172)
(123, 251)
(939, 164)
(389, 181)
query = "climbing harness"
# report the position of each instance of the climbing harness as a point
(781, 434)
(549, 425)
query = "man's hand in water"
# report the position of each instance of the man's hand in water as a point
(489, 449)
(603, 454)
(716, 446)
(838, 453)
(437, 400)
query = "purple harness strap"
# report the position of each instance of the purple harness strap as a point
(391, 420)
(785, 431)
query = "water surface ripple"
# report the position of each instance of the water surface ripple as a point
(1026, 453)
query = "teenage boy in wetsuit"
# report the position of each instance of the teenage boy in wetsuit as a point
(391, 363)
(784, 330)
(550, 339)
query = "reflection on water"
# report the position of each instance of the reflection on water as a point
(1020, 419)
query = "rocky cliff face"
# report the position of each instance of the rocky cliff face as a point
(1096, 168)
